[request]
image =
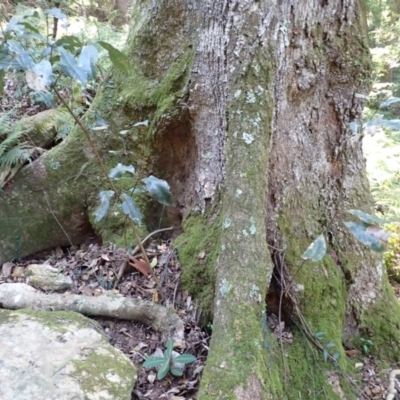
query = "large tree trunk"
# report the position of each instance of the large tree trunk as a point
(248, 105)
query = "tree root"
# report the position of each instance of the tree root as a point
(391, 389)
(19, 295)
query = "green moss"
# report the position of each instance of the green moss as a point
(304, 360)
(198, 249)
(101, 371)
(380, 323)
(48, 319)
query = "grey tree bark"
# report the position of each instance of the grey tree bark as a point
(249, 104)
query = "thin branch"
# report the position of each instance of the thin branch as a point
(56, 219)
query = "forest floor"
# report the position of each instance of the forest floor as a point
(94, 269)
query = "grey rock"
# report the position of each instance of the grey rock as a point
(45, 277)
(60, 356)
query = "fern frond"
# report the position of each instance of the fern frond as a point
(17, 155)
(10, 141)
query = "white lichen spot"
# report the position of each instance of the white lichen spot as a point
(250, 98)
(235, 134)
(245, 233)
(238, 192)
(255, 293)
(223, 247)
(253, 229)
(379, 270)
(237, 93)
(224, 287)
(256, 67)
(242, 175)
(227, 223)
(248, 138)
(257, 344)
(260, 89)
(55, 165)
(297, 287)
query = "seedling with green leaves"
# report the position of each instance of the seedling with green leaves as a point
(327, 349)
(169, 363)
(366, 345)
(47, 65)
(367, 231)
(157, 188)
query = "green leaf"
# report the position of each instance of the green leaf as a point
(330, 345)
(168, 350)
(70, 43)
(159, 189)
(367, 218)
(70, 67)
(163, 370)
(316, 250)
(27, 25)
(56, 13)
(319, 335)
(22, 57)
(391, 123)
(336, 355)
(389, 101)
(326, 354)
(359, 230)
(120, 169)
(101, 211)
(130, 209)
(88, 59)
(185, 359)
(119, 60)
(153, 362)
(176, 371)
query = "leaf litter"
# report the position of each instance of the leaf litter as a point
(95, 269)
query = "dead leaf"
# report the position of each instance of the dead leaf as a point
(58, 252)
(352, 353)
(86, 290)
(153, 262)
(105, 257)
(18, 272)
(7, 268)
(140, 265)
(155, 297)
(35, 82)
(98, 291)
(151, 377)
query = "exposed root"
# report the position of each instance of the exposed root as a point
(19, 295)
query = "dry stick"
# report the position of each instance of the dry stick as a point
(294, 276)
(91, 143)
(56, 219)
(135, 250)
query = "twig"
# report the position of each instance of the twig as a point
(137, 248)
(56, 219)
